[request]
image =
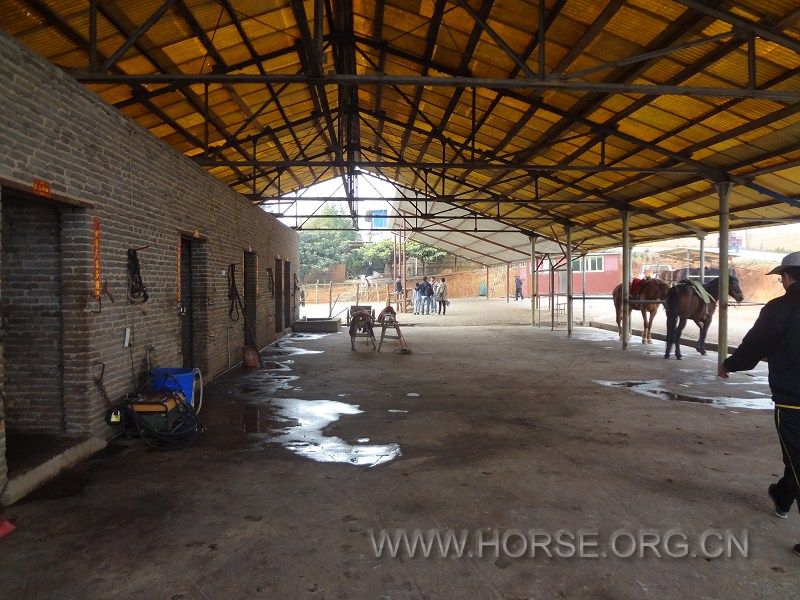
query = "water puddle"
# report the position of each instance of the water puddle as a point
(306, 336)
(271, 365)
(655, 388)
(287, 349)
(306, 438)
(297, 425)
(263, 385)
(595, 335)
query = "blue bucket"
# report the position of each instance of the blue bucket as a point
(174, 380)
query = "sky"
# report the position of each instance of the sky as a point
(368, 187)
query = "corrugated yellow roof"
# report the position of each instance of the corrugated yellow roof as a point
(588, 141)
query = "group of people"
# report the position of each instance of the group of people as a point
(429, 296)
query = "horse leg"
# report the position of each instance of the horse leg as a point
(671, 322)
(678, 332)
(650, 327)
(701, 344)
(644, 325)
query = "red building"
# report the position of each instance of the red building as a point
(603, 274)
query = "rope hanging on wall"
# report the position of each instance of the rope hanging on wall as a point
(137, 292)
(233, 294)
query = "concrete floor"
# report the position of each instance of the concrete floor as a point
(510, 430)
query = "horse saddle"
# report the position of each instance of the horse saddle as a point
(362, 322)
(697, 288)
(636, 287)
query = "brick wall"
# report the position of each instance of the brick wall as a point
(30, 265)
(145, 194)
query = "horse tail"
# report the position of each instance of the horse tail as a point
(671, 308)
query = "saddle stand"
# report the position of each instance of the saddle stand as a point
(400, 344)
(361, 327)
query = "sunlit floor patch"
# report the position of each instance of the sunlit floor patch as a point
(656, 388)
(287, 349)
(306, 336)
(306, 438)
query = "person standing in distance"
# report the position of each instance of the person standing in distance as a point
(441, 297)
(776, 337)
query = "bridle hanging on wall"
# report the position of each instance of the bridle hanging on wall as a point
(137, 292)
(233, 294)
(270, 282)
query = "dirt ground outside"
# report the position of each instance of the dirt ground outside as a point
(496, 311)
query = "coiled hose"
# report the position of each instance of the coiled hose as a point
(185, 429)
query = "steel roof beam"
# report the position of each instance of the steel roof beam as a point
(84, 45)
(421, 81)
(434, 198)
(200, 33)
(168, 89)
(307, 55)
(136, 34)
(480, 20)
(647, 55)
(536, 41)
(666, 135)
(466, 57)
(471, 234)
(430, 43)
(758, 29)
(122, 24)
(273, 95)
(442, 166)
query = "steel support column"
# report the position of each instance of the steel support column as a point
(723, 190)
(534, 272)
(626, 277)
(508, 274)
(552, 295)
(702, 258)
(569, 279)
(583, 288)
(487, 282)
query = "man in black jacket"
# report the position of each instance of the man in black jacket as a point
(776, 337)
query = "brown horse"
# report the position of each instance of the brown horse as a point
(652, 289)
(683, 304)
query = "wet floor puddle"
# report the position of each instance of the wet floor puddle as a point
(655, 388)
(307, 439)
(292, 423)
(298, 425)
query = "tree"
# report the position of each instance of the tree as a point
(378, 254)
(320, 250)
(426, 254)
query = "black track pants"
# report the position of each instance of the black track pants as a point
(787, 421)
